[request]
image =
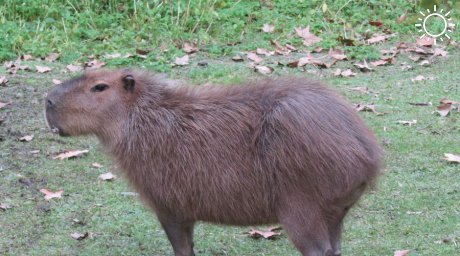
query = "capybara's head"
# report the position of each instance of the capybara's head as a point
(90, 103)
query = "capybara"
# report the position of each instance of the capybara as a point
(282, 150)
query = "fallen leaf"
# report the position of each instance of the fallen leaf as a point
(268, 28)
(237, 58)
(3, 80)
(447, 101)
(421, 78)
(282, 50)
(26, 138)
(94, 64)
(71, 154)
(79, 236)
(421, 104)
(264, 69)
(377, 23)
(74, 68)
(444, 109)
(424, 63)
(409, 123)
(346, 41)
(107, 176)
(2, 104)
(405, 66)
(43, 69)
(414, 57)
(403, 17)
(364, 67)
(34, 151)
(452, 158)
(425, 41)
(56, 81)
(265, 234)
(377, 39)
(52, 57)
(367, 107)
(252, 56)
(347, 73)
(97, 165)
(190, 48)
(439, 52)
(378, 63)
(112, 56)
(318, 49)
(262, 51)
(308, 38)
(27, 57)
(4, 206)
(182, 61)
(50, 195)
(337, 54)
(143, 51)
(402, 253)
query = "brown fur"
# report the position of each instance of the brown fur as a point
(284, 150)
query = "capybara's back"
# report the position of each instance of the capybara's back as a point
(285, 150)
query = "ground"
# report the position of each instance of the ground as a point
(415, 205)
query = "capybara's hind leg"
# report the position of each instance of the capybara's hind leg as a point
(307, 229)
(335, 225)
(180, 235)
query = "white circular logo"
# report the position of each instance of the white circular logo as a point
(447, 26)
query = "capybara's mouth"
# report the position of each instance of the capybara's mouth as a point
(53, 127)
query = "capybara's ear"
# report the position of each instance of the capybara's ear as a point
(129, 83)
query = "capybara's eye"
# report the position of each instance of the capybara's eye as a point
(99, 87)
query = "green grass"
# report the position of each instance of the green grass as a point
(416, 205)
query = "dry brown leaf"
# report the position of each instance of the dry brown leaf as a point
(97, 165)
(377, 39)
(376, 23)
(421, 78)
(43, 69)
(452, 158)
(143, 52)
(182, 61)
(71, 154)
(281, 50)
(252, 56)
(364, 67)
(444, 109)
(447, 101)
(308, 38)
(190, 48)
(319, 49)
(254, 233)
(262, 51)
(402, 253)
(94, 64)
(439, 52)
(268, 28)
(3, 80)
(26, 138)
(56, 81)
(425, 41)
(52, 57)
(403, 17)
(368, 108)
(74, 68)
(107, 176)
(405, 66)
(50, 195)
(79, 236)
(4, 206)
(27, 57)
(337, 54)
(378, 63)
(264, 69)
(347, 73)
(409, 123)
(421, 104)
(4, 104)
(237, 58)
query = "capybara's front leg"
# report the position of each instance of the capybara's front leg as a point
(307, 228)
(180, 235)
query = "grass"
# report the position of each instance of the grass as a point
(415, 206)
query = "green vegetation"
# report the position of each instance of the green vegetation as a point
(415, 207)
